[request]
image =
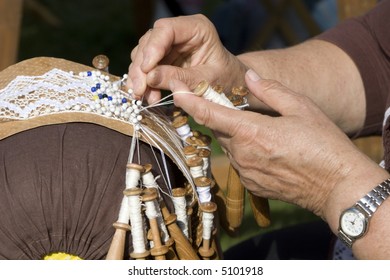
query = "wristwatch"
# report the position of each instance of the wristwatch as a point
(353, 223)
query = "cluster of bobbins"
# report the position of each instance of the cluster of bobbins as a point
(190, 229)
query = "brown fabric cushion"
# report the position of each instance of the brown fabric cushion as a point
(61, 188)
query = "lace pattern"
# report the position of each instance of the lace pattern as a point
(30, 96)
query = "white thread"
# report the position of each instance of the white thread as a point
(206, 167)
(184, 131)
(207, 221)
(180, 203)
(137, 230)
(132, 178)
(124, 211)
(150, 182)
(196, 171)
(204, 194)
(218, 98)
(150, 211)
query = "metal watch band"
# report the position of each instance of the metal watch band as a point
(368, 205)
(371, 201)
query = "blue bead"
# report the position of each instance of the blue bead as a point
(93, 89)
(100, 96)
(89, 73)
(98, 85)
(124, 100)
(110, 98)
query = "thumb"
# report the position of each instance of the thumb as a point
(214, 116)
(275, 95)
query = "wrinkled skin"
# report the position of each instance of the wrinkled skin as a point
(298, 157)
(171, 49)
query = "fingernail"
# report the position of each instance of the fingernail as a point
(253, 75)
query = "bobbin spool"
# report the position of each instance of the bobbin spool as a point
(208, 209)
(183, 246)
(137, 233)
(159, 250)
(190, 151)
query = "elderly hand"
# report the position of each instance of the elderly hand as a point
(183, 48)
(300, 156)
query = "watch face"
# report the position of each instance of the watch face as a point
(353, 223)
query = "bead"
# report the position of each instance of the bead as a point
(124, 100)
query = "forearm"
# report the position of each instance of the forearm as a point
(320, 71)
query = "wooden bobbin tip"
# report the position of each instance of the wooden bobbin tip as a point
(135, 166)
(143, 255)
(180, 121)
(147, 167)
(159, 251)
(202, 181)
(122, 226)
(241, 91)
(132, 192)
(190, 150)
(149, 195)
(201, 88)
(206, 252)
(194, 161)
(100, 62)
(204, 153)
(208, 207)
(179, 192)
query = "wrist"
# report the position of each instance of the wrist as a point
(350, 190)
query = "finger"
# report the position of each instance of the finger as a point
(276, 96)
(136, 77)
(214, 116)
(169, 32)
(161, 76)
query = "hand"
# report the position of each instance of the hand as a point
(183, 48)
(300, 156)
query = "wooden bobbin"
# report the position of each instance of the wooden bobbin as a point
(190, 151)
(101, 62)
(183, 247)
(146, 253)
(192, 141)
(218, 88)
(181, 192)
(195, 164)
(235, 197)
(159, 250)
(206, 250)
(236, 100)
(179, 121)
(135, 166)
(117, 247)
(201, 88)
(240, 91)
(171, 255)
